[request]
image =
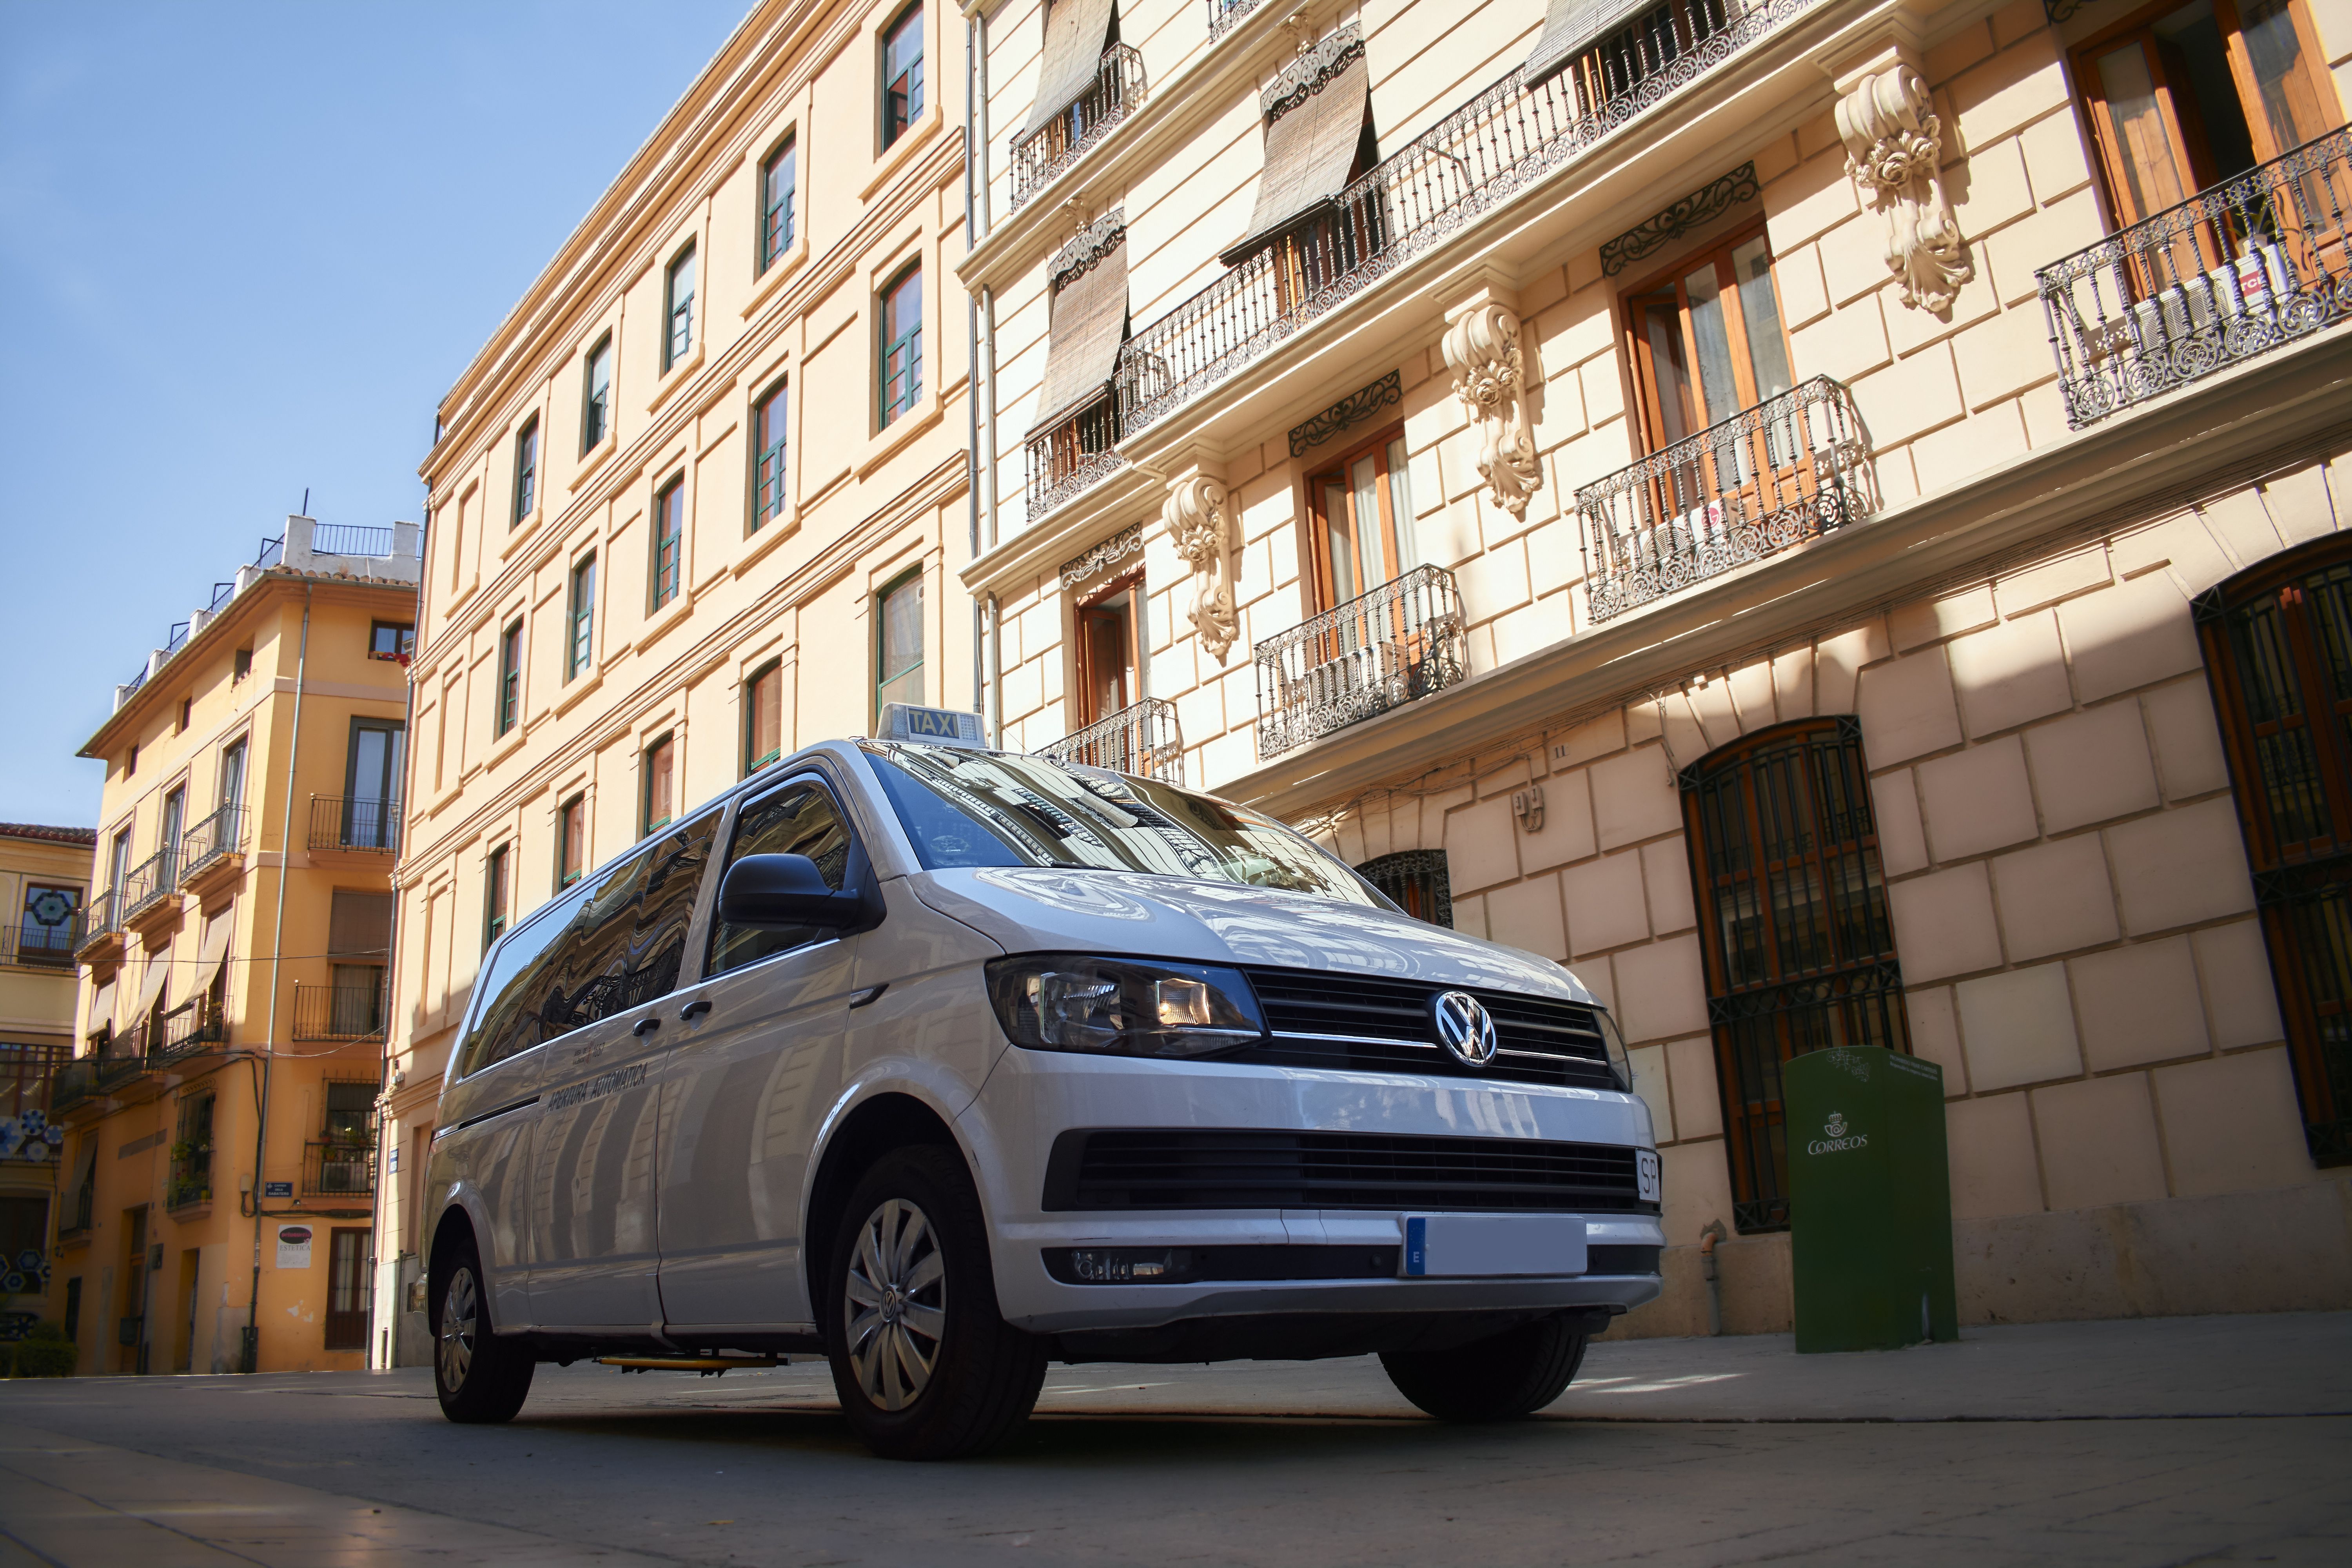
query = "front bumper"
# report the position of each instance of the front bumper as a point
(1033, 1097)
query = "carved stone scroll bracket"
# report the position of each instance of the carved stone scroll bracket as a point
(1490, 376)
(1199, 523)
(1894, 151)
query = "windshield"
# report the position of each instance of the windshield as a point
(986, 808)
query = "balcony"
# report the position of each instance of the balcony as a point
(73, 1084)
(193, 1029)
(1141, 738)
(339, 1012)
(353, 824)
(2250, 265)
(149, 885)
(208, 849)
(102, 929)
(1470, 163)
(1223, 13)
(42, 947)
(1781, 474)
(338, 1169)
(1117, 91)
(1378, 651)
(1073, 453)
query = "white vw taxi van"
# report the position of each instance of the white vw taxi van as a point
(951, 1063)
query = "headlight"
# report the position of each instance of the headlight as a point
(1068, 1002)
(1620, 1063)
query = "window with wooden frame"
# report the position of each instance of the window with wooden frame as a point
(668, 541)
(2277, 640)
(509, 676)
(351, 1288)
(902, 74)
(901, 370)
(496, 873)
(1705, 340)
(580, 618)
(2181, 98)
(769, 440)
(678, 307)
(526, 481)
(1798, 950)
(1362, 521)
(778, 180)
(596, 395)
(898, 643)
(660, 803)
(764, 717)
(1109, 627)
(571, 841)
(1417, 882)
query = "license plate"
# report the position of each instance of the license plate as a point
(1470, 1246)
(1645, 1174)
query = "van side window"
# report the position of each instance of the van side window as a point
(626, 945)
(799, 820)
(619, 941)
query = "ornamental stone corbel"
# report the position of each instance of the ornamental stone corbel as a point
(1490, 376)
(1200, 526)
(1894, 152)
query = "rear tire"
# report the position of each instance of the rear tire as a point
(1517, 1372)
(924, 1367)
(480, 1377)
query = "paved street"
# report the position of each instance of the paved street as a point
(2165, 1441)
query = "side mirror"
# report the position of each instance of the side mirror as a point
(778, 891)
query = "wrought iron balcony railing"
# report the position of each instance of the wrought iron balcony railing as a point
(339, 1170)
(1141, 738)
(353, 822)
(1073, 453)
(1782, 473)
(1472, 161)
(1223, 13)
(1379, 650)
(72, 1083)
(222, 833)
(149, 880)
(193, 1027)
(339, 1012)
(102, 914)
(1117, 91)
(2237, 270)
(42, 947)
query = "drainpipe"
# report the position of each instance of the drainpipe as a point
(249, 1353)
(988, 417)
(995, 675)
(379, 1222)
(1707, 1240)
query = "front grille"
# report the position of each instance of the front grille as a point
(1360, 1024)
(1187, 1169)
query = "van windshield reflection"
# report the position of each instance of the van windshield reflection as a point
(988, 808)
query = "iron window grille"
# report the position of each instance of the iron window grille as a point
(778, 178)
(1416, 880)
(2277, 641)
(2243, 267)
(1797, 946)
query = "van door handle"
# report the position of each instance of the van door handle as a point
(645, 1026)
(693, 1010)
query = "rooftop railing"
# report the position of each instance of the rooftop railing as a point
(1379, 650)
(1119, 89)
(1782, 473)
(1141, 738)
(349, 539)
(2248, 265)
(353, 822)
(32, 946)
(222, 833)
(1474, 160)
(1073, 454)
(339, 1012)
(149, 880)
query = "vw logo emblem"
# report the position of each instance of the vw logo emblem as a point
(1463, 1027)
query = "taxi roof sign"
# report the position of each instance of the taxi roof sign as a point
(937, 726)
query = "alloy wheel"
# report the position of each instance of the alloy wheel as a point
(895, 1298)
(459, 1309)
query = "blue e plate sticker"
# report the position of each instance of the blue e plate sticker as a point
(1469, 1245)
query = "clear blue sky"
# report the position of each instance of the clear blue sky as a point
(244, 250)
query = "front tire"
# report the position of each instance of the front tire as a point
(924, 1366)
(480, 1377)
(1514, 1374)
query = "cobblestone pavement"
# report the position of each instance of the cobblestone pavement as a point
(2162, 1442)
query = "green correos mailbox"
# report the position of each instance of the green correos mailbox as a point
(1870, 1200)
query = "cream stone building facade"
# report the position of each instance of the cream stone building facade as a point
(702, 500)
(1828, 517)
(44, 885)
(217, 1178)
